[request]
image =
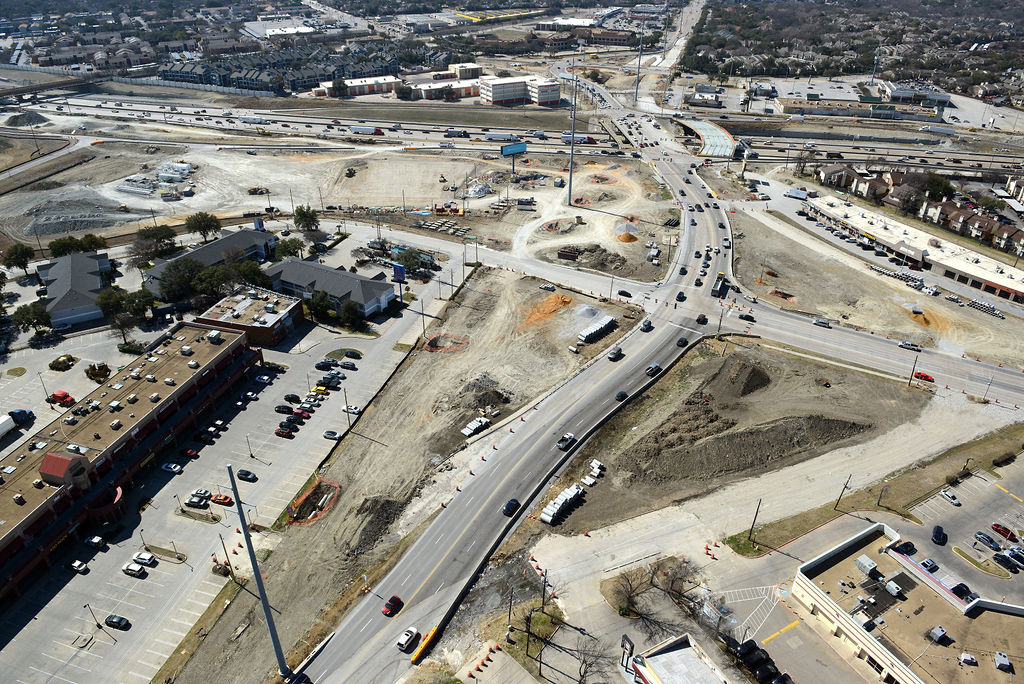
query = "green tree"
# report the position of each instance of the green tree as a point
(203, 223)
(215, 280)
(64, 246)
(137, 302)
(305, 218)
(176, 279)
(410, 259)
(93, 243)
(319, 304)
(250, 272)
(122, 324)
(348, 315)
(34, 316)
(18, 256)
(110, 301)
(339, 87)
(403, 92)
(289, 247)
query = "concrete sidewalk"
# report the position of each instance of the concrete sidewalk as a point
(502, 669)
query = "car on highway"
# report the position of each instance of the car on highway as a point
(171, 468)
(117, 622)
(407, 639)
(822, 323)
(939, 536)
(263, 379)
(247, 475)
(1006, 562)
(283, 408)
(1004, 531)
(929, 565)
(746, 317)
(282, 432)
(222, 499)
(566, 441)
(987, 541)
(625, 293)
(918, 375)
(646, 326)
(392, 606)
(620, 396)
(680, 296)
(949, 496)
(909, 345)
(510, 507)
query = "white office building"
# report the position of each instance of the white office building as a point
(519, 89)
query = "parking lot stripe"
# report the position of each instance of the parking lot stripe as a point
(201, 603)
(75, 648)
(64, 662)
(182, 622)
(143, 662)
(205, 593)
(1010, 493)
(120, 601)
(171, 631)
(190, 612)
(136, 674)
(166, 643)
(48, 674)
(158, 653)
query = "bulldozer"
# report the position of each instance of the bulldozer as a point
(123, 208)
(258, 190)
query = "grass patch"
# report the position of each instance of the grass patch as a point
(403, 347)
(188, 645)
(666, 194)
(16, 372)
(263, 554)
(903, 489)
(542, 626)
(409, 297)
(339, 354)
(985, 565)
(331, 616)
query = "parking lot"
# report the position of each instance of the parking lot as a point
(984, 500)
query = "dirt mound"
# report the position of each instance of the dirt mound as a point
(626, 232)
(736, 379)
(379, 512)
(602, 180)
(626, 237)
(26, 119)
(480, 392)
(544, 310)
(446, 343)
(597, 257)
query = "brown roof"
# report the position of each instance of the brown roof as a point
(55, 465)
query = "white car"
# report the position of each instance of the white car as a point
(171, 468)
(202, 493)
(79, 566)
(331, 434)
(307, 406)
(144, 558)
(407, 639)
(263, 379)
(950, 497)
(133, 569)
(354, 410)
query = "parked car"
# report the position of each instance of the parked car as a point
(353, 354)
(1006, 562)
(949, 496)
(285, 425)
(133, 569)
(81, 567)
(283, 408)
(906, 548)
(1004, 531)
(247, 475)
(263, 379)
(407, 639)
(292, 398)
(929, 565)
(95, 542)
(195, 502)
(331, 434)
(117, 622)
(222, 499)
(300, 413)
(171, 468)
(282, 432)
(323, 366)
(987, 541)
(347, 365)
(354, 410)
(961, 591)
(144, 558)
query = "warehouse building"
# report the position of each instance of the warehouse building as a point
(519, 90)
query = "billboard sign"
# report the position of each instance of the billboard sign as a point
(399, 274)
(513, 149)
(258, 224)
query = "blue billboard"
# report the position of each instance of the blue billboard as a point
(513, 149)
(399, 274)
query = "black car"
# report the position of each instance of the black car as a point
(755, 658)
(961, 591)
(510, 507)
(292, 398)
(697, 255)
(117, 622)
(939, 536)
(698, 282)
(1001, 559)
(680, 297)
(624, 293)
(620, 396)
(347, 365)
(294, 420)
(682, 270)
(285, 425)
(746, 317)
(247, 475)
(322, 366)
(906, 548)
(766, 673)
(352, 354)
(681, 342)
(283, 408)
(740, 650)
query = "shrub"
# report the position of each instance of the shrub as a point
(63, 363)
(1008, 457)
(952, 480)
(132, 347)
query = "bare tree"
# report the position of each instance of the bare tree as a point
(233, 255)
(140, 254)
(593, 656)
(679, 579)
(627, 590)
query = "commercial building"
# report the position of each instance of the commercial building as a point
(698, 99)
(647, 11)
(78, 470)
(676, 660)
(865, 107)
(303, 279)
(436, 90)
(919, 249)
(919, 92)
(252, 244)
(565, 24)
(465, 71)
(72, 283)
(897, 622)
(266, 317)
(372, 86)
(519, 89)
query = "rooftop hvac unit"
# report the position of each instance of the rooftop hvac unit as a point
(154, 397)
(193, 364)
(893, 588)
(168, 381)
(37, 483)
(186, 350)
(866, 565)
(19, 499)
(214, 336)
(115, 425)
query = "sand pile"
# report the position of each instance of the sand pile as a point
(545, 309)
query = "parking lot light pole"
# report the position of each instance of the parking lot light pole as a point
(93, 615)
(251, 455)
(180, 507)
(144, 545)
(348, 416)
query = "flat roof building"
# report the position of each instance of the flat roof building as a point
(678, 660)
(906, 91)
(372, 85)
(435, 90)
(266, 317)
(897, 622)
(465, 71)
(74, 471)
(519, 89)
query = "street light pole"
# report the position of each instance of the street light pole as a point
(93, 614)
(348, 416)
(180, 507)
(251, 455)
(144, 545)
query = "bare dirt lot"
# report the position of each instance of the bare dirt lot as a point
(811, 275)
(713, 419)
(511, 345)
(14, 151)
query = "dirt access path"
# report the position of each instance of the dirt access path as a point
(508, 341)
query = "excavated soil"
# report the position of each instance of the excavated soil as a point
(715, 418)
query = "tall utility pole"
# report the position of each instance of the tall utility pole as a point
(845, 487)
(640, 56)
(268, 613)
(572, 132)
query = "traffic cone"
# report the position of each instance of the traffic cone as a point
(494, 446)
(482, 457)
(469, 674)
(234, 552)
(238, 531)
(512, 431)
(532, 558)
(442, 504)
(522, 419)
(457, 488)
(715, 544)
(239, 544)
(586, 533)
(470, 471)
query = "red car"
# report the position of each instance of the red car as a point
(282, 432)
(222, 499)
(923, 376)
(190, 453)
(1004, 531)
(301, 414)
(392, 606)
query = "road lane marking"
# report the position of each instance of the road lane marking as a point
(365, 626)
(782, 631)
(1010, 493)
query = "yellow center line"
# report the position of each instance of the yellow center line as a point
(785, 629)
(485, 507)
(1010, 493)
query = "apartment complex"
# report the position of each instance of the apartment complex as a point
(519, 90)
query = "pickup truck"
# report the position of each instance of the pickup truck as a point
(567, 440)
